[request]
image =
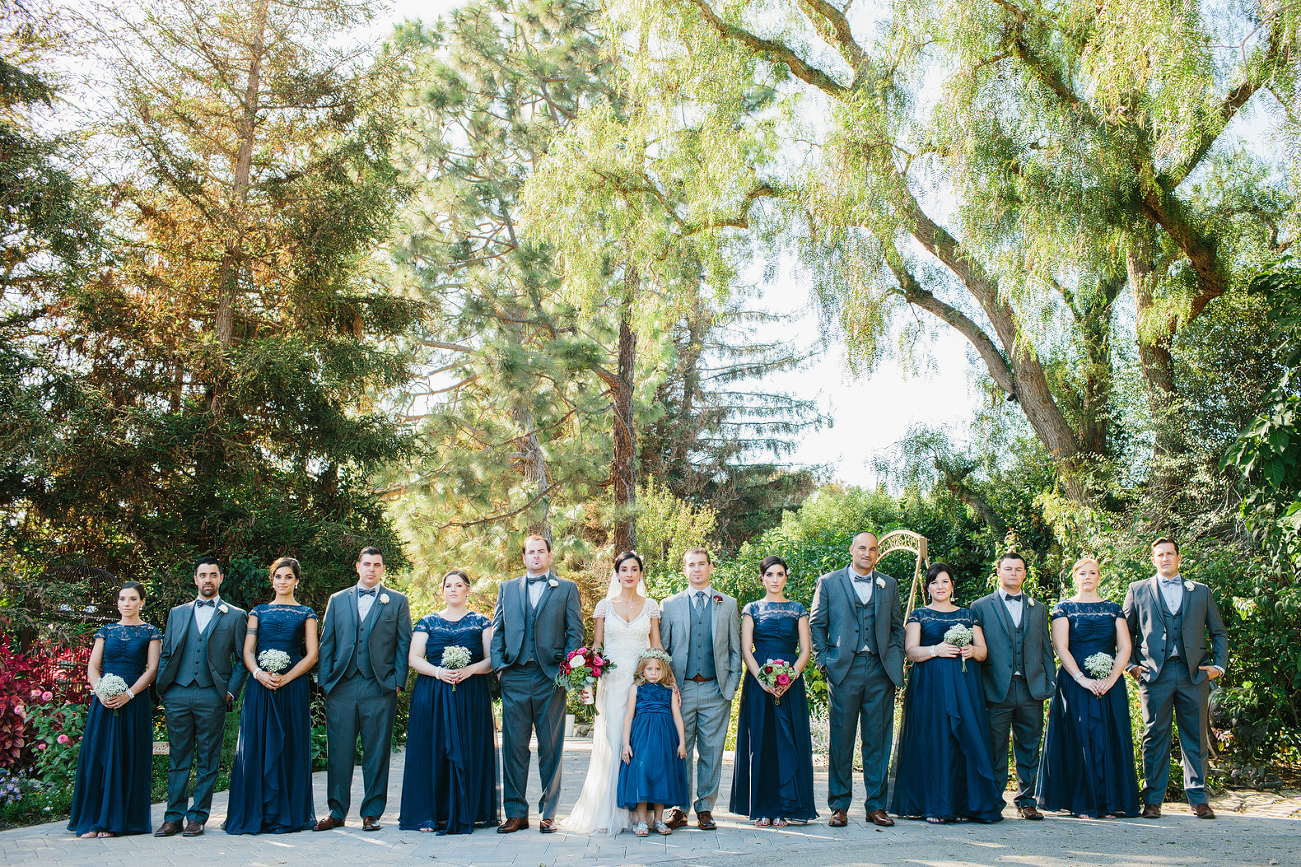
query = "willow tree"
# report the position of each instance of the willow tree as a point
(239, 351)
(1007, 169)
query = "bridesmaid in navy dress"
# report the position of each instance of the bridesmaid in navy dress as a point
(449, 783)
(773, 779)
(1088, 756)
(943, 767)
(115, 764)
(271, 781)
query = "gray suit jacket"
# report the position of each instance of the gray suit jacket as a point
(557, 632)
(226, 633)
(390, 638)
(675, 635)
(1147, 628)
(833, 625)
(996, 671)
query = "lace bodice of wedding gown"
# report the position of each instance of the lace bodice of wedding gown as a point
(596, 809)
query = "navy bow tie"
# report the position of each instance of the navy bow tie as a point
(1010, 598)
(370, 592)
(533, 579)
(863, 579)
(208, 603)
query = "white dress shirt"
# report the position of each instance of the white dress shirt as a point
(535, 589)
(1173, 592)
(364, 603)
(203, 613)
(695, 595)
(1014, 606)
(862, 588)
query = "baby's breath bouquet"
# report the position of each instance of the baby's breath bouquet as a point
(455, 658)
(1099, 665)
(274, 661)
(959, 636)
(110, 686)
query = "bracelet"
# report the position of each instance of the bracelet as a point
(1078, 675)
(130, 693)
(934, 651)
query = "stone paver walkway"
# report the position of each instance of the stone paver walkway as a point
(1258, 836)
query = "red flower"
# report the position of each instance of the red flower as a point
(767, 669)
(783, 680)
(717, 598)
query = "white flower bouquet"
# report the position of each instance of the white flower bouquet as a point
(110, 686)
(274, 661)
(1099, 665)
(455, 658)
(959, 636)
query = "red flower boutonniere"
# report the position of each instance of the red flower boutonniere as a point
(718, 598)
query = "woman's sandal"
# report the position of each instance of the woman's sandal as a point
(779, 823)
(106, 834)
(762, 823)
(89, 835)
(934, 820)
(641, 829)
(661, 828)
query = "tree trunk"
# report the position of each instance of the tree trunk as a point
(623, 468)
(532, 463)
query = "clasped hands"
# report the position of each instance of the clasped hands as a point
(952, 650)
(269, 679)
(449, 675)
(115, 702)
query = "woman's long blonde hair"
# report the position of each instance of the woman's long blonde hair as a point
(666, 667)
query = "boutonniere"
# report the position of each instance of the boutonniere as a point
(552, 582)
(718, 598)
(880, 582)
(223, 609)
(1029, 600)
(383, 599)
(1188, 585)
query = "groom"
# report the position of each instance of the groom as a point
(200, 672)
(537, 623)
(857, 632)
(1169, 619)
(364, 644)
(701, 631)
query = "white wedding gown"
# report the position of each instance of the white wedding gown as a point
(597, 808)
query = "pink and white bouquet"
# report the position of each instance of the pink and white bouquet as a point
(581, 670)
(777, 673)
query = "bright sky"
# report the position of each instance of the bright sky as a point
(870, 415)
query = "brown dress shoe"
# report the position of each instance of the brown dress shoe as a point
(1151, 811)
(168, 829)
(675, 819)
(547, 826)
(513, 824)
(878, 817)
(1203, 811)
(705, 820)
(1029, 811)
(328, 823)
(193, 829)
(839, 819)
(370, 823)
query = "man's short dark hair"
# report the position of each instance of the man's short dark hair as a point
(372, 551)
(525, 545)
(1166, 541)
(208, 561)
(698, 551)
(1011, 555)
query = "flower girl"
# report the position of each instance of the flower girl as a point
(653, 772)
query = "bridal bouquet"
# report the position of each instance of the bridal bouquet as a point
(1099, 665)
(775, 673)
(455, 658)
(582, 669)
(274, 661)
(110, 686)
(959, 636)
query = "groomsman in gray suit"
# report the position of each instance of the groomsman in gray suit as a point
(1018, 675)
(364, 644)
(537, 623)
(200, 671)
(701, 630)
(857, 632)
(1169, 619)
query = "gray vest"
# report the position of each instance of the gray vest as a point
(700, 651)
(866, 622)
(1018, 636)
(530, 648)
(360, 663)
(193, 665)
(1174, 624)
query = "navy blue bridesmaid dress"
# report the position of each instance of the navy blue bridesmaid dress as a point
(1087, 766)
(943, 768)
(115, 763)
(449, 782)
(271, 780)
(773, 777)
(655, 775)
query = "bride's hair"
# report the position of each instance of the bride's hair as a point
(629, 555)
(666, 668)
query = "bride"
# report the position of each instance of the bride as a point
(626, 622)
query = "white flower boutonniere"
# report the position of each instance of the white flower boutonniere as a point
(223, 609)
(383, 599)
(1029, 600)
(552, 582)
(880, 582)
(1188, 585)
